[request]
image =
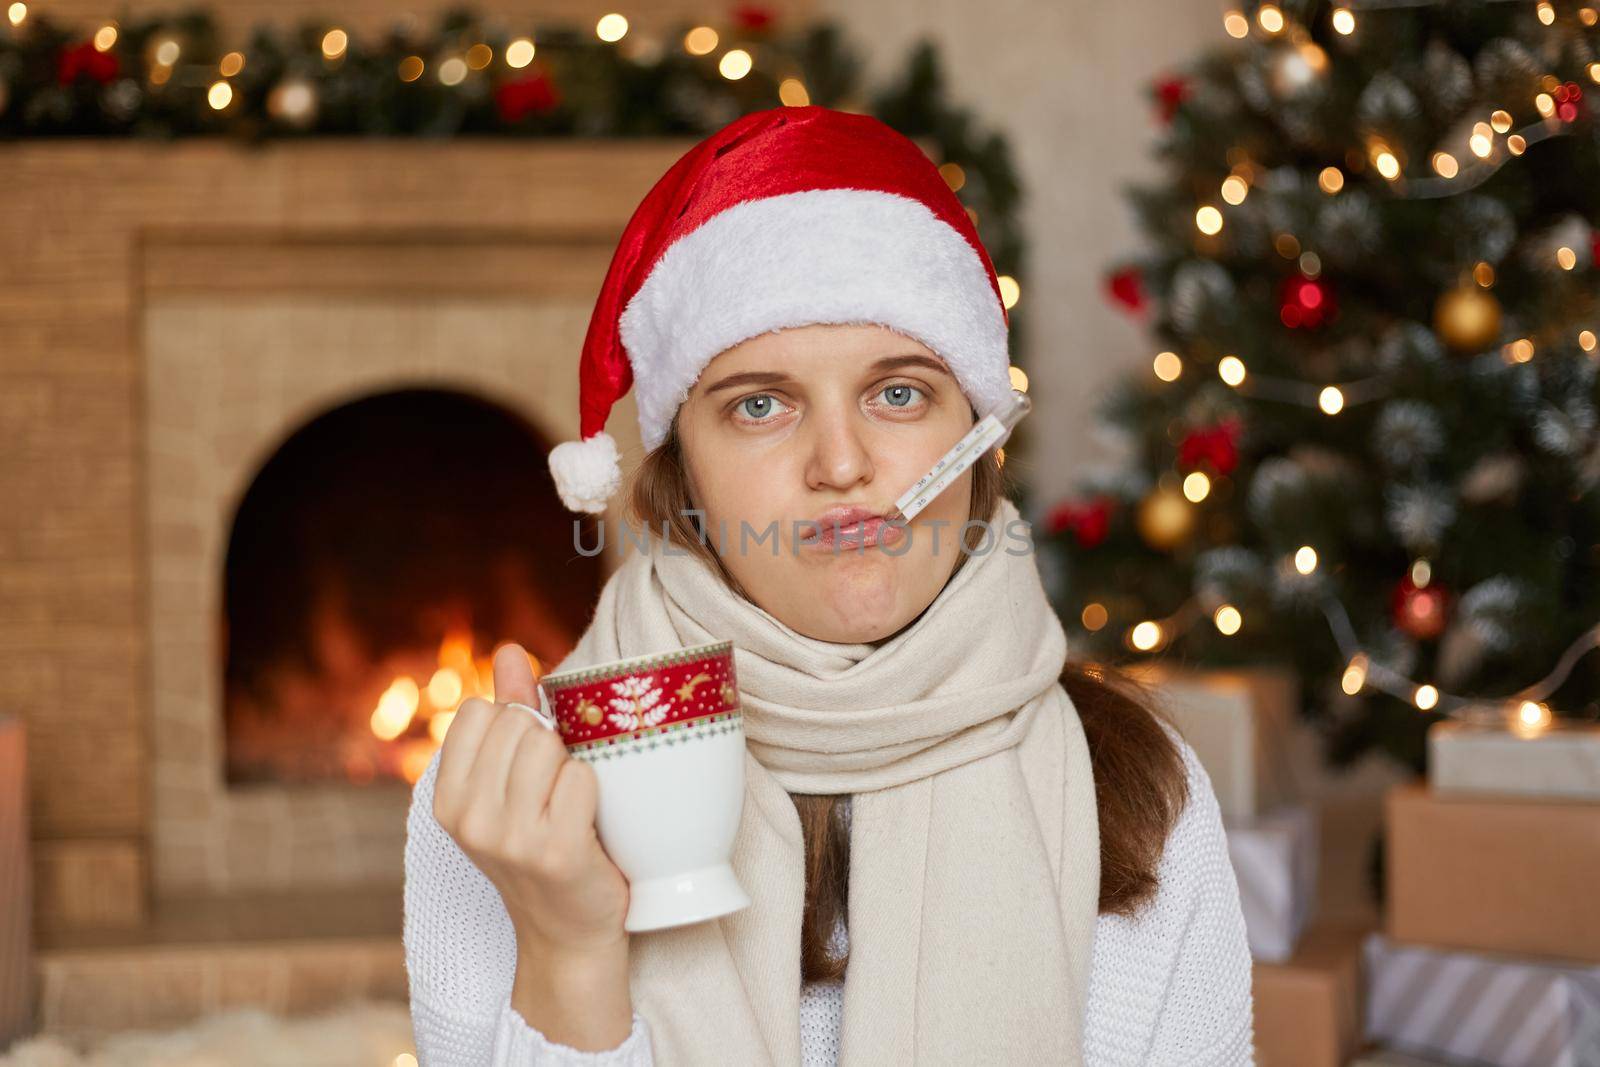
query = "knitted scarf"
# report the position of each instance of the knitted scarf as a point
(974, 843)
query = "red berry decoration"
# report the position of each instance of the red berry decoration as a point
(1171, 92)
(1216, 447)
(1305, 303)
(85, 59)
(532, 95)
(753, 18)
(1423, 612)
(1126, 288)
(1089, 521)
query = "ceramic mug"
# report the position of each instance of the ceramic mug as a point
(665, 736)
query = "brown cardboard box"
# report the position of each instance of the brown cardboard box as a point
(1308, 1008)
(1503, 874)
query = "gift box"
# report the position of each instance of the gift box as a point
(1308, 1008)
(1559, 762)
(1511, 875)
(16, 913)
(1238, 723)
(1275, 861)
(1481, 1008)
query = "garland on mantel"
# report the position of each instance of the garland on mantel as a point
(169, 76)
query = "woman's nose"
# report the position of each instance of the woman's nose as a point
(839, 457)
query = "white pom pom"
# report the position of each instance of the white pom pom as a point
(587, 472)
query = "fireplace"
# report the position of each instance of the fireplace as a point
(373, 563)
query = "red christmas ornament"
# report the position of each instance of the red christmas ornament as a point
(1171, 92)
(535, 94)
(1567, 99)
(1088, 520)
(1306, 303)
(1421, 611)
(754, 18)
(86, 59)
(1126, 287)
(1214, 446)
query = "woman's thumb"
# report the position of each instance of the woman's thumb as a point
(513, 676)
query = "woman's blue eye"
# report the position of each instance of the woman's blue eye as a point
(898, 395)
(763, 400)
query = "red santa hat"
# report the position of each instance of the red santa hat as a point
(785, 217)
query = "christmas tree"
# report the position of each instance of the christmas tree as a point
(1365, 444)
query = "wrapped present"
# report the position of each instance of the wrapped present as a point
(1479, 1008)
(1512, 875)
(1238, 723)
(1558, 762)
(1308, 1008)
(1275, 860)
(16, 914)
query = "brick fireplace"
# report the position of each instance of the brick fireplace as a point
(175, 317)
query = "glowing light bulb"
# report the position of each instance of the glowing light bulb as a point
(1146, 635)
(1094, 616)
(1547, 13)
(612, 27)
(334, 43)
(1196, 486)
(1270, 18)
(1010, 291)
(1305, 559)
(1208, 220)
(1331, 400)
(1500, 121)
(700, 41)
(1331, 180)
(1387, 164)
(1235, 189)
(1425, 697)
(1566, 258)
(735, 64)
(1355, 675)
(1586, 340)
(1236, 24)
(219, 96)
(1344, 21)
(1228, 619)
(1231, 370)
(1444, 165)
(1168, 366)
(520, 53)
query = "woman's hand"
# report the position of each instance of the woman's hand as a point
(523, 810)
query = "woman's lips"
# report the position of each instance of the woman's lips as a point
(865, 533)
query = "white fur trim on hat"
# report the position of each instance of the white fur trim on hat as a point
(816, 256)
(586, 472)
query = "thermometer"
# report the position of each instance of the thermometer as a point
(989, 429)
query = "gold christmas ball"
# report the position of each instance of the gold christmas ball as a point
(1467, 318)
(1165, 519)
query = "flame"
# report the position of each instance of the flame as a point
(415, 716)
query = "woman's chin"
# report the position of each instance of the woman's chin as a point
(860, 599)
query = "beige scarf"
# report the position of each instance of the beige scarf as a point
(974, 843)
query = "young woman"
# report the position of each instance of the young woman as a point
(960, 847)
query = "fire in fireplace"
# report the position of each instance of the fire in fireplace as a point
(377, 559)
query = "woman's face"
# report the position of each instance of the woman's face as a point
(789, 425)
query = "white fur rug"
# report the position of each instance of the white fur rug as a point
(356, 1034)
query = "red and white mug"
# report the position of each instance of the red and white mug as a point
(665, 735)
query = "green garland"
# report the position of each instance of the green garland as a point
(173, 76)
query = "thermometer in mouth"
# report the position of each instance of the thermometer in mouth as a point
(989, 429)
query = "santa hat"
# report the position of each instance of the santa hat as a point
(785, 217)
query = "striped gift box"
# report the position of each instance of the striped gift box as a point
(1476, 1008)
(16, 922)
(1275, 861)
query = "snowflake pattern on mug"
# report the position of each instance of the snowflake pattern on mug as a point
(637, 703)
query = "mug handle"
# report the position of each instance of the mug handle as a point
(543, 717)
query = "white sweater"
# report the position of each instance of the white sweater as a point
(1169, 987)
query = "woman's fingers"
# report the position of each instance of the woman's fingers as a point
(493, 764)
(574, 796)
(534, 767)
(513, 676)
(459, 751)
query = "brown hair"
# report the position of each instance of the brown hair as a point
(1140, 782)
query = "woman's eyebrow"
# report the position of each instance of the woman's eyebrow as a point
(887, 363)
